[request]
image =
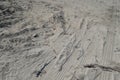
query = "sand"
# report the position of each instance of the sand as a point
(60, 40)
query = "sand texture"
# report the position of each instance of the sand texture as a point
(59, 39)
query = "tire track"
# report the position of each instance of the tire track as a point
(56, 72)
(109, 45)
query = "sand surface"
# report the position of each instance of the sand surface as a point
(59, 39)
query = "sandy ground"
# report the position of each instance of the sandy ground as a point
(59, 39)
